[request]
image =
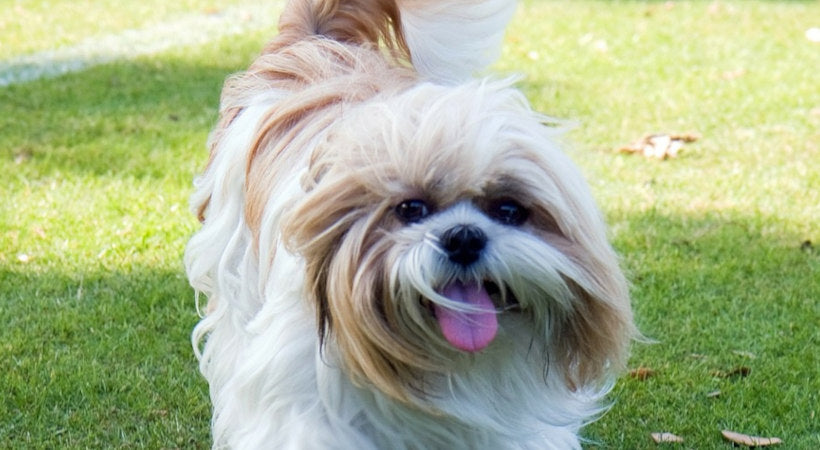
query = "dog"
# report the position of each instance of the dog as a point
(395, 254)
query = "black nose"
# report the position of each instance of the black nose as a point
(463, 243)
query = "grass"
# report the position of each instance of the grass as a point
(95, 171)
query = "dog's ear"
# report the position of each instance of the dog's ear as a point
(338, 228)
(315, 228)
(593, 338)
(589, 335)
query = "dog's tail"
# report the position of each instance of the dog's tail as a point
(451, 40)
(446, 40)
(355, 21)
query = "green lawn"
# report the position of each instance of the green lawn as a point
(722, 244)
(30, 26)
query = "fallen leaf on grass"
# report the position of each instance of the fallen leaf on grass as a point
(749, 441)
(641, 373)
(713, 394)
(659, 146)
(741, 372)
(666, 437)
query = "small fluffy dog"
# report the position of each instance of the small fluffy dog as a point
(396, 255)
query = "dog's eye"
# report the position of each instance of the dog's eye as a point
(508, 212)
(412, 211)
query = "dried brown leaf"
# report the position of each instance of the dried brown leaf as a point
(660, 146)
(750, 441)
(641, 373)
(666, 437)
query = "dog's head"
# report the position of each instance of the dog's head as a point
(430, 216)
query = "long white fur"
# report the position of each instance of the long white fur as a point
(270, 386)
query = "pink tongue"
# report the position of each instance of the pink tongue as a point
(467, 331)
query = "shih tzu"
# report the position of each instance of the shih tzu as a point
(396, 255)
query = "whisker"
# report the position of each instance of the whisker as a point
(510, 307)
(434, 243)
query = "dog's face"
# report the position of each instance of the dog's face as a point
(431, 216)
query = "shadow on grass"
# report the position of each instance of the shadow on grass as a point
(125, 119)
(101, 357)
(99, 360)
(727, 266)
(719, 291)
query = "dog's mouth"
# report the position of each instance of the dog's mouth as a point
(504, 300)
(472, 331)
